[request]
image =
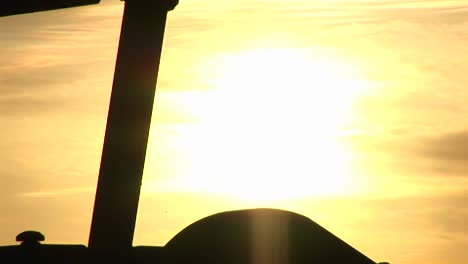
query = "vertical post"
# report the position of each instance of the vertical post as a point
(128, 124)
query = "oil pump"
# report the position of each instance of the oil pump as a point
(285, 237)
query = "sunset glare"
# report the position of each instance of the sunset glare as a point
(351, 113)
(283, 110)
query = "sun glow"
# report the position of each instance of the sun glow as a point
(267, 128)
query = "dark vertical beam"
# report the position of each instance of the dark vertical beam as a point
(128, 124)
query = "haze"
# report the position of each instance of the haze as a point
(349, 112)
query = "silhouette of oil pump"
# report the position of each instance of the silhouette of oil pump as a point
(257, 236)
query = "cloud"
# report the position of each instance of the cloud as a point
(446, 153)
(57, 192)
(42, 90)
(51, 60)
(421, 156)
(451, 147)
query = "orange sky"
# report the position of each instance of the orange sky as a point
(349, 112)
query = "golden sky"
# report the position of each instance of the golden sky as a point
(350, 112)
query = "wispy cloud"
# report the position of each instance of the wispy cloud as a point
(46, 58)
(57, 192)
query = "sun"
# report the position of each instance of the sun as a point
(288, 82)
(267, 127)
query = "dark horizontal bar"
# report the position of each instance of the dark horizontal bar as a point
(16, 7)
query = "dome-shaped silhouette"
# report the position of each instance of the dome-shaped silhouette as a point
(30, 237)
(260, 236)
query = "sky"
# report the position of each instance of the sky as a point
(348, 112)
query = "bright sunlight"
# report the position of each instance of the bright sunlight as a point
(267, 128)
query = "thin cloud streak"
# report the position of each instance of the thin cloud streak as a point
(58, 192)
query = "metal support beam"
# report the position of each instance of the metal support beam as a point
(128, 124)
